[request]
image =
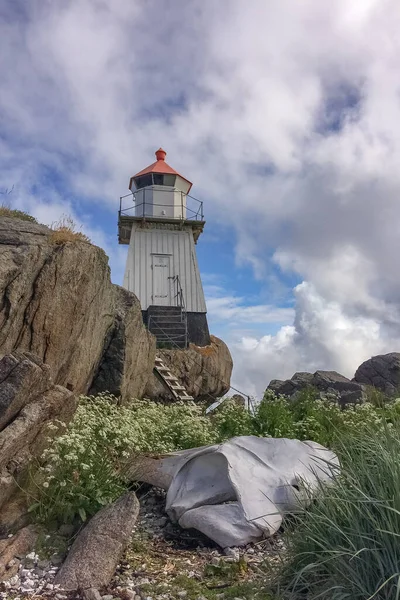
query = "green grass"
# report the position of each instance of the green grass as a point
(347, 545)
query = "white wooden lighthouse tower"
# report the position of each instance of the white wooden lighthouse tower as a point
(162, 223)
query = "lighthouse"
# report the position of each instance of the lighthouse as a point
(161, 222)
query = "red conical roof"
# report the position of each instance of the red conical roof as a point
(160, 166)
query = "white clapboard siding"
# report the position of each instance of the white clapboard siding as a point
(179, 246)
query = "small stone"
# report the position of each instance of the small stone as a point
(32, 556)
(49, 586)
(27, 589)
(14, 580)
(182, 594)
(251, 551)
(61, 597)
(56, 559)
(232, 553)
(38, 572)
(11, 563)
(128, 594)
(107, 597)
(215, 561)
(91, 594)
(43, 564)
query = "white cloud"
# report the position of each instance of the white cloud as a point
(285, 115)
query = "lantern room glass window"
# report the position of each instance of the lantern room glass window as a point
(155, 179)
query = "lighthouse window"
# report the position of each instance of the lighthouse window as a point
(159, 179)
(143, 181)
(169, 180)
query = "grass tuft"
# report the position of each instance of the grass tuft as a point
(347, 544)
(65, 230)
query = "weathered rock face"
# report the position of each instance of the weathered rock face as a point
(96, 552)
(57, 301)
(29, 401)
(128, 358)
(382, 371)
(204, 371)
(330, 384)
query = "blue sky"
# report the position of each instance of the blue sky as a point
(285, 116)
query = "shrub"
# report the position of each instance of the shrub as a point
(6, 211)
(65, 230)
(347, 544)
(82, 470)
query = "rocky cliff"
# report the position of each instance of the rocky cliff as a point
(57, 302)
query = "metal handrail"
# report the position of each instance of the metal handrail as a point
(194, 215)
(180, 302)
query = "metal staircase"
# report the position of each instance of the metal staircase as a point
(174, 385)
(169, 323)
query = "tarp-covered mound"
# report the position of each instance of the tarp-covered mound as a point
(238, 492)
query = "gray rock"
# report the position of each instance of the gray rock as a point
(97, 550)
(382, 372)
(129, 351)
(331, 386)
(43, 564)
(91, 594)
(232, 553)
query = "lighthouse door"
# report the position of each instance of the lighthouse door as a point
(161, 265)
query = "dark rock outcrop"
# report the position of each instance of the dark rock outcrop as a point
(57, 301)
(129, 351)
(29, 402)
(330, 384)
(97, 550)
(382, 372)
(205, 371)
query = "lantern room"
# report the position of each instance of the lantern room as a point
(160, 191)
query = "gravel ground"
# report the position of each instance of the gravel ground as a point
(163, 562)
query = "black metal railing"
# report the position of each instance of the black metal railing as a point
(178, 296)
(136, 204)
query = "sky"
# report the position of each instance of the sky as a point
(284, 115)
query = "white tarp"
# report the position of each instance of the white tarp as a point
(237, 492)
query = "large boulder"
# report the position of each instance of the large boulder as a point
(29, 402)
(94, 555)
(205, 371)
(57, 301)
(382, 371)
(129, 351)
(330, 384)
